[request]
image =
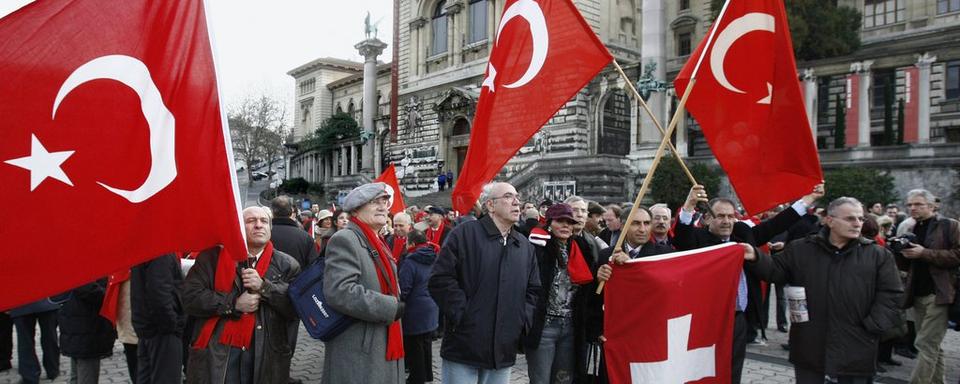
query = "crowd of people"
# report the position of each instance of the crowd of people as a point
(512, 277)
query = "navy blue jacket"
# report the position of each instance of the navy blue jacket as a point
(421, 313)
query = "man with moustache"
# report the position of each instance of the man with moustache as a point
(580, 214)
(662, 220)
(723, 226)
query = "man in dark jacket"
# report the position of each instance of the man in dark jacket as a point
(223, 350)
(723, 226)
(851, 289)
(931, 263)
(486, 283)
(158, 318)
(288, 236)
(85, 336)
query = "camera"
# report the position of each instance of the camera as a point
(899, 243)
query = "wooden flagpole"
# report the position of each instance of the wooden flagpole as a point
(656, 122)
(666, 135)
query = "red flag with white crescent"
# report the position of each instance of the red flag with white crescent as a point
(389, 176)
(748, 103)
(111, 118)
(544, 53)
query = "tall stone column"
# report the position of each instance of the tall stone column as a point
(369, 49)
(416, 46)
(810, 98)
(454, 30)
(863, 103)
(923, 106)
(653, 51)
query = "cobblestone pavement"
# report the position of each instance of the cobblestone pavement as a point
(765, 363)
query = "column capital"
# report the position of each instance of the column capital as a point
(370, 48)
(807, 74)
(453, 8)
(418, 23)
(924, 60)
(861, 66)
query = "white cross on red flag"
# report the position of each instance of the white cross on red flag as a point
(668, 319)
(112, 144)
(543, 55)
(748, 103)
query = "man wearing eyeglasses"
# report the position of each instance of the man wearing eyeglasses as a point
(722, 225)
(931, 262)
(851, 289)
(486, 282)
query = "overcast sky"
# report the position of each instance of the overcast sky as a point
(259, 41)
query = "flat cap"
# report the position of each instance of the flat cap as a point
(366, 193)
(436, 210)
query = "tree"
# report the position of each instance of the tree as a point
(258, 126)
(867, 185)
(820, 29)
(335, 128)
(670, 184)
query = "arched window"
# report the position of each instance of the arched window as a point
(461, 127)
(478, 21)
(339, 108)
(614, 137)
(350, 108)
(438, 26)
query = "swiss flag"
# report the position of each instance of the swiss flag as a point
(389, 176)
(544, 53)
(112, 131)
(749, 105)
(680, 329)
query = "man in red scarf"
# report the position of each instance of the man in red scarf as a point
(245, 315)
(397, 242)
(439, 229)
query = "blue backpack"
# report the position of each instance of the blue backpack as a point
(306, 294)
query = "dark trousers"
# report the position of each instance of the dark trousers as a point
(28, 364)
(781, 307)
(6, 340)
(240, 366)
(805, 376)
(130, 354)
(159, 360)
(740, 328)
(418, 351)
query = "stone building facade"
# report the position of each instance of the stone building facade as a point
(601, 142)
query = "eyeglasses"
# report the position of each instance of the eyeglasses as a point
(851, 219)
(508, 196)
(384, 200)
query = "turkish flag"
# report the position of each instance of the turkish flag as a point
(389, 176)
(544, 54)
(112, 131)
(750, 108)
(669, 318)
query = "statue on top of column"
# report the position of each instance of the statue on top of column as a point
(370, 29)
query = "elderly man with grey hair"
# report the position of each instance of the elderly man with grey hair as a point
(931, 263)
(486, 282)
(660, 225)
(244, 314)
(851, 290)
(397, 241)
(580, 213)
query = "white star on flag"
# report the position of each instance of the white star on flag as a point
(42, 164)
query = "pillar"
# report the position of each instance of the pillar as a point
(369, 49)
(453, 26)
(810, 98)
(653, 51)
(863, 104)
(923, 124)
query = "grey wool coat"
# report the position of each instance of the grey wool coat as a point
(358, 355)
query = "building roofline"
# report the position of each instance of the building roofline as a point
(329, 63)
(382, 68)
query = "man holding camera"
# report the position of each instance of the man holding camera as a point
(931, 260)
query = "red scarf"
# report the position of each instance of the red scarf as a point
(399, 245)
(577, 266)
(433, 235)
(111, 299)
(388, 286)
(237, 332)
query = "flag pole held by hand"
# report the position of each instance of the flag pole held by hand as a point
(670, 129)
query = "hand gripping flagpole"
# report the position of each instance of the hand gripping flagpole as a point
(670, 129)
(656, 122)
